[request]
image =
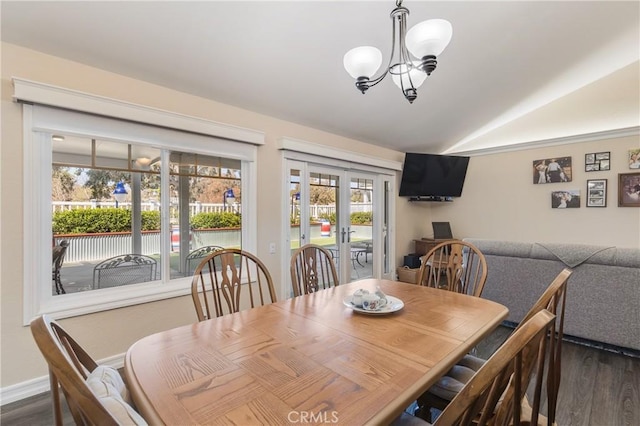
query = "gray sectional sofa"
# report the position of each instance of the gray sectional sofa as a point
(603, 293)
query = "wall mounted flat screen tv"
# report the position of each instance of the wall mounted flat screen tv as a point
(433, 177)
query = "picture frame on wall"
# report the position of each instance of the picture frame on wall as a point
(634, 158)
(552, 170)
(590, 158)
(597, 161)
(597, 193)
(567, 199)
(629, 189)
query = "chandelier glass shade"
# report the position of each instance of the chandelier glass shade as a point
(413, 54)
(363, 60)
(414, 76)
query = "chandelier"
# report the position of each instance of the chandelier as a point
(425, 41)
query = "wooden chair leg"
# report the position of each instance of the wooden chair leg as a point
(55, 399)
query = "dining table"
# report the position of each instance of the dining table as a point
(311, 359)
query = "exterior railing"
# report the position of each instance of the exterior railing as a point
(361, 232)
(90, 247)
(194, 208)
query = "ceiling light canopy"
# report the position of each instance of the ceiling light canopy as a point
(425, 42)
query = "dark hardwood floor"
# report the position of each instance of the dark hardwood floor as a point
(598, 388)
(33, 411)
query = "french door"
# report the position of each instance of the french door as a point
(347, 212)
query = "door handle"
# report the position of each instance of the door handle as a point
(349, 235)
(343, 233)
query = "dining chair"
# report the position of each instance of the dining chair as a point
(494, 393)
(312, 269)
(229, 280)
(95, 394)
(454, 265)
(59, 252)
(447, 387)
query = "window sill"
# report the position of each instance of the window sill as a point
(70, 305)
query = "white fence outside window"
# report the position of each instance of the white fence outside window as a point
(316, 210)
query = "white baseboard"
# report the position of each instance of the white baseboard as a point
(40, 385)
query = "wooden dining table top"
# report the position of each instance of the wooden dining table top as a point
(309, 359)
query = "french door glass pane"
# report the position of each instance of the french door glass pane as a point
(361, 227)
(296, 231)
(323, 201)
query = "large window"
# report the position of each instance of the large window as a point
(106, 212)
(132, 207)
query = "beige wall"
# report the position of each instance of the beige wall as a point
(110, 333)
(499, 200)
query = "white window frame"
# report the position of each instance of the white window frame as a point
(188, 134)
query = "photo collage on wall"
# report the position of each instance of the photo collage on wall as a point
(558, 170)
(597, 161)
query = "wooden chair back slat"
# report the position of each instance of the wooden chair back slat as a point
(228, 280)
(494, 393)
(553, 300)
(454, 265)
(312, 269)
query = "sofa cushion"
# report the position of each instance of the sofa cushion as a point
(450, 385)
(573, 255)
(472, 362)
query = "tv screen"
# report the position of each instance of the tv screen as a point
(431, 175)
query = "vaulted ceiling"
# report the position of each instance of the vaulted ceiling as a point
(514, 72)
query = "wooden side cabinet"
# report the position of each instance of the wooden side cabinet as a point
(422, 246)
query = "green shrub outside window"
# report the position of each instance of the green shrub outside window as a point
(357, 218)
(93, 221)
